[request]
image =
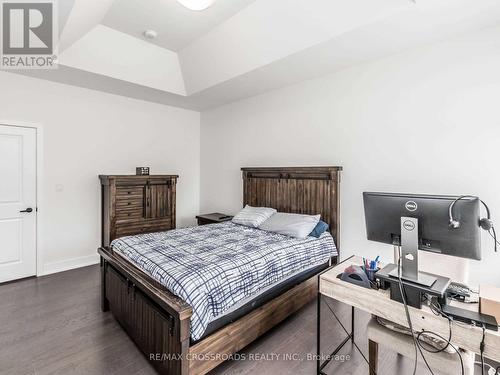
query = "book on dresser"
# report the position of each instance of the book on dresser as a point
(136, 204)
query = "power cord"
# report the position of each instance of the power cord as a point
(493, 233)
(448, 344)
(436, 309)
(408, 318)
(431, 349)
(416, 340)
(481, 347)
(491, 369)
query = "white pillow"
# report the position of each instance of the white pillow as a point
(253, 216)
(293, 225)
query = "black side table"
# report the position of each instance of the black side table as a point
(212, 218)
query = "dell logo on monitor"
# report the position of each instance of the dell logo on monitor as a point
(409, 225)
(411, 206)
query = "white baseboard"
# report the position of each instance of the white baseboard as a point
(69, 264)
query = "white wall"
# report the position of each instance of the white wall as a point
(425, 121)
(87, 133)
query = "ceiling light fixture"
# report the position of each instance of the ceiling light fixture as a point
(196, 4)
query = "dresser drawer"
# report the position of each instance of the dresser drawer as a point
(127, 213)
(129, 203)
(142, 226)
(129, 192)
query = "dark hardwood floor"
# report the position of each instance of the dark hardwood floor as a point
(54, 325)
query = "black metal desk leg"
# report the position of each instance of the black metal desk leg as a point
(318, 335)
(320, 364)
(352, 324)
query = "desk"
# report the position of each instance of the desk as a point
(378, 302)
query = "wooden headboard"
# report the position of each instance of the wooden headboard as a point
(302, 190)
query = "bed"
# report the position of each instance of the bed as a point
(145, 278)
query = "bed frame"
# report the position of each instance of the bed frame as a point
(159, 322)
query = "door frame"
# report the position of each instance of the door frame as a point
(39, 173)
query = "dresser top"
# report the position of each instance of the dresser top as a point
(138, 179)
(110, 176)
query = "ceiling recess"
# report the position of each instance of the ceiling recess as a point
(196, 4)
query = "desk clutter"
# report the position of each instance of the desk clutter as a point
(438, 296)
(462, 293)
(425, 303)
(437, 329)
(362, 275)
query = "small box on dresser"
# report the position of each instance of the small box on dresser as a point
(137, 204)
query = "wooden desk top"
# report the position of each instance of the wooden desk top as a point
(378, 302)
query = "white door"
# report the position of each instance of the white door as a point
(17, 197)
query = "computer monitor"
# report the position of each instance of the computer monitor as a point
(421, 222)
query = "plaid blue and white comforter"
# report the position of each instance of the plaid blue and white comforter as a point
(213, 267)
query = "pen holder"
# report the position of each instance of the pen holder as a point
(370, 272)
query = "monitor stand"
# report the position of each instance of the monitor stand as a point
(409, 255)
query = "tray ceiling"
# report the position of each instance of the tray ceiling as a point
(240, 48)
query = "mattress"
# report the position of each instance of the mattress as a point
(241, 309)
(219, 266)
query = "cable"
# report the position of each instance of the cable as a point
(493, 233)
(408, 318)
(453, 347)
(490, 367)
(481, 347)
(400, 283)
(437, 311)
(450, 319)
(448, 342)
(416, 340)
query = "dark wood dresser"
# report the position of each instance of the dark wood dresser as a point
(136, 204)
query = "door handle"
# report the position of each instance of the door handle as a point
(28, 210)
